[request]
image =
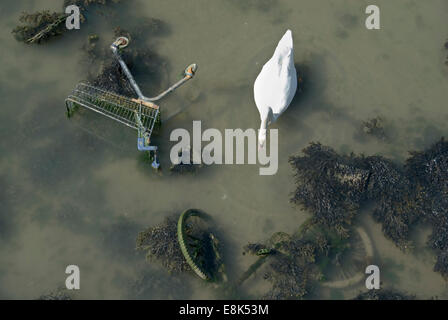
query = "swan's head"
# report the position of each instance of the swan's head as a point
(262, 138)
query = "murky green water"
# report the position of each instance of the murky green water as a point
(73, 194)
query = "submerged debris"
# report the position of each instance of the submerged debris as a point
(162, 243)
(200, 247)
(374, 127)
(287, 263)
(313, 256)
(39, 26)
(344, 264)
(295, 264)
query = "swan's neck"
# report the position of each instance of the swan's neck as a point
(263, 131)
(264, 122)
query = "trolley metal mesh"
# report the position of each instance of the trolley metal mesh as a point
(114, 106)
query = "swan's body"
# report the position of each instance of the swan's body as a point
(276, 85)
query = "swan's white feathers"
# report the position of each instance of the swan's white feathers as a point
(276, 84)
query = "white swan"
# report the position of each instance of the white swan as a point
(276, 85)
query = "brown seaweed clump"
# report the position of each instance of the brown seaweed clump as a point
(333, 187)
(160, 244)
(430, 169)
(383, 294)
(288, 263)
(39, 26)
(112, 78)
(315, 256)
(394, 197)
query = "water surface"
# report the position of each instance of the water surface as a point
(73, 191)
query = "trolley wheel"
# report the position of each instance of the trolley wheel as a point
(351, 271)
(121, 42)
(191, 70)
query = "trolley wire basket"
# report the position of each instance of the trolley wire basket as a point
(114, 106)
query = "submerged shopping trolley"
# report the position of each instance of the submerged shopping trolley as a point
(138, 113)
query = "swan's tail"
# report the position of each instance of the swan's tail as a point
(285, 46)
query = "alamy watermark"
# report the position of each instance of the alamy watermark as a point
(228, 150)
(373, 280)
(372, 21)
(73, 281)
(73, 21)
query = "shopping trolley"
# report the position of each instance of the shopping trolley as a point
(139, 113)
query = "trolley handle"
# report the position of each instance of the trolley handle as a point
(123, 42)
